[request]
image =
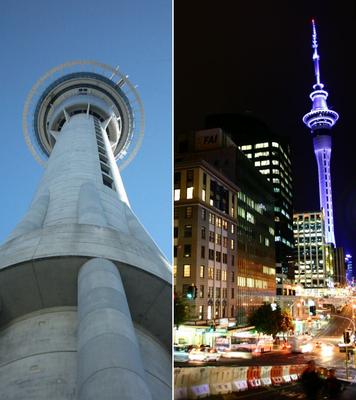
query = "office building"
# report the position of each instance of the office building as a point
(313, 255)
(271, 155)
(230, 209)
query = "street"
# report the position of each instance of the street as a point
(288, 392)
(325, 351)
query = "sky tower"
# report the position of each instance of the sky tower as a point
(320, 120)
(85, 294)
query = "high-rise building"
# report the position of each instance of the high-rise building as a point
(339, 267)
(270, 154)
(224, 227)
(313, 256)
(349, 272)
(320, 120)
(85, 292)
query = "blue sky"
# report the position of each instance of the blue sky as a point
(134, 34)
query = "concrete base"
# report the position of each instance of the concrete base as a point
(38, 358)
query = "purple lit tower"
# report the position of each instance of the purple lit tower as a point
(320, 120)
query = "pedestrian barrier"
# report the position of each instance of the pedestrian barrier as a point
(254, 376)
(181, 376)
(266, 376)
(239, 379)
(198, 383)
(286, 374)
(221, 380)
(277, 375)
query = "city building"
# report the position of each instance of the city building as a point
(223, 228)
(320, 120)
(349, 272)
(313, 255)
(271, 155)
(339, 267)
(85, 292)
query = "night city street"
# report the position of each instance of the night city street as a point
(264, 199)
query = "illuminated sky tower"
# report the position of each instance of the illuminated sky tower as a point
(85, 294)
(320, 120)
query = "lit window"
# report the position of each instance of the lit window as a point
(264, 162)
(223, 275)
(210, 273)
(241, 281)
(211, 219)
(224, 224)
(274, 144)
(241, 212)
(201, 271)
(201, 310)
(257, 163)
(186, 270)
(261, 145)
(246, 147)
(249, 155)
(250, 282)
(265, 171)
(203, 194)
(266, 242)
(250, 218)
(275, 162)
(174, 270)
(232, 228)
(176, 194)
(262, 154)
(232, 244)
(190, 193)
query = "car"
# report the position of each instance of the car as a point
(204, 354)
(180, 354)
(236, 354)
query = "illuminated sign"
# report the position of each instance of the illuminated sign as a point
(208, 139)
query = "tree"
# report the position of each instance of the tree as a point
(286, 323)
(181, 310)
(271, 321)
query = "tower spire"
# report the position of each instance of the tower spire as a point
(316, 58)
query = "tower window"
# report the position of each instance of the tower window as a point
(107, 181)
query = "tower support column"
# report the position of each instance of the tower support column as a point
(109, 360)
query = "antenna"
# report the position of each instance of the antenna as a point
(316, 58)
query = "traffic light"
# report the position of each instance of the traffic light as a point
(191, 292)
(312, 310)
(347, 338)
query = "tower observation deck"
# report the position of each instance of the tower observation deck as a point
(85, 293)
(320, 120)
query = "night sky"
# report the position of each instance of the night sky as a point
(256, 57)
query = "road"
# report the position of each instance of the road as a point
(328, 338)
(338, 323)
(289, 392)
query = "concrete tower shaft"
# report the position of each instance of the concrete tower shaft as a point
(85, 291)
(322, 150)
